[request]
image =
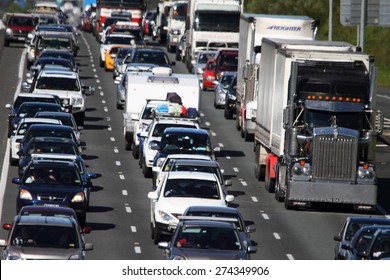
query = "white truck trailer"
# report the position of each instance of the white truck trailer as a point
(211, 24)
(253, 28)
(141, 86)
(317, 123)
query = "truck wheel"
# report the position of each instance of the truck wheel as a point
(260, 172)
(280, 183)
(287, 204)
(269, 182)
(247, 136)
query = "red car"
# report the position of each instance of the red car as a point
(18, 26)
(209, 75)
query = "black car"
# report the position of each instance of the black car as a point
(28, 110)
(53, 183)
(38, 145)
(179, 140)
(230, 99)
(379, 246)
(149, 56)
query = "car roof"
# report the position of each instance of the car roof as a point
(188, 156)
(46, 220)
(364, 219)
(216, 209)
(51, 127)
(52, 140)
(36, 95)
(192, 175)
(52, 163)
(208, 223)
(40, 120)
(38, 103)
(48, 210)
(58, 72)
(173, 130)
(196, 162)
(50, 113)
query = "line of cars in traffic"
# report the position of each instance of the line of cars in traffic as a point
(44, 123)
(165, 134)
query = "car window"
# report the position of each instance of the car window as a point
(191, 188)
(45, 236)
(53, 175)
(208, 238)
(58, 83)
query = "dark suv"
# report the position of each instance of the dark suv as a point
(17, 28)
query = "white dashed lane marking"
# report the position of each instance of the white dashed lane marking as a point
(124, 192)
(276, 235)
(254, 199)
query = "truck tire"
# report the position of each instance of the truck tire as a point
(259, 168)
(127, 145)
(280, 183)
(269, 182)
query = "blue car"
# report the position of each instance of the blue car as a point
(53, 183)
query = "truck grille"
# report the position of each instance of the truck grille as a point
(334, 158)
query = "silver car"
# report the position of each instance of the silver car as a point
(44, 238)
(221, 86)
(206, 238)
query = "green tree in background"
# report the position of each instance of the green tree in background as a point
(376, 39)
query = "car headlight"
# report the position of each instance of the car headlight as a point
(175, 32)
(77, 101)
(178, 258)
(165, 217)
(210, 78)
(9, 31)
(13, 256)
(160, 162)
(231, 96)
(74, 257)
(24, 194)
(142, 127)
(79, 197)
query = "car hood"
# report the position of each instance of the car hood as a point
(208, 254)
(178, 205)
(37, 253)
(53, 189)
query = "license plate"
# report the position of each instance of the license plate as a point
(52, 205)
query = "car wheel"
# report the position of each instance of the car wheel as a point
(101, 62)
(134, 148)
(6, 43)
(82, 219)
(127, 145)
(238, 126)
(156, 236)
(227, 114)
(151, 231)
(147, 171)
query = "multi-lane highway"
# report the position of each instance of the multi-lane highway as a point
(120, 210)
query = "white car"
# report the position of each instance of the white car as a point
(145, 118)
(67, 86)
(176, 193)
(19, 133)
(153, 135)
(166, 164)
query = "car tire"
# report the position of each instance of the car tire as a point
(12, 161)
(135, 151)
(227, 114)
(101, 62)
(6, 43)
(127, 145)
(82, 219)
(156, 236)
(147, 171)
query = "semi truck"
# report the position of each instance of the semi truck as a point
(253, 27)
(211, 24)
(317, 123)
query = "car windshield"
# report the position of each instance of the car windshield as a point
(118, 40)
(21, 21)
(51, 148)
(226, 79)
(55, 83)
(30, 111)
(186, 142)
(381, 247)
(55, 43)
(122, 53)
(197, 168)
(203, 237)
(21, 99)
(191, 188)
(151, 57)
(53, 175)
(46, 132)
(160, 127)
(57, 55)
(204, 57)
(45, 236)
(205, 213)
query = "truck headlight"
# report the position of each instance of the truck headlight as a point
(253, 113)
